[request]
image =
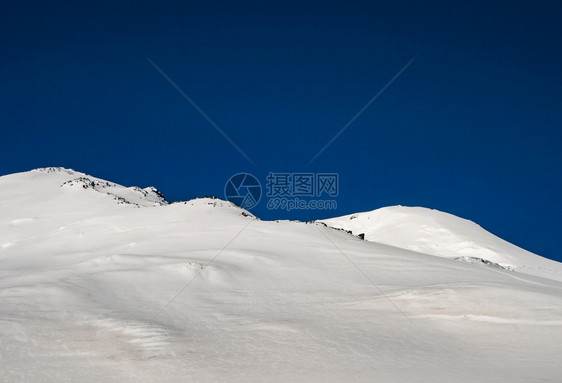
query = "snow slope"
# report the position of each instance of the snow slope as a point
(96, 289)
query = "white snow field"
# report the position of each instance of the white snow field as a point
(102, 283)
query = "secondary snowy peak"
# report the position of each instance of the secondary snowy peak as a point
(441, 234)
(214, 202)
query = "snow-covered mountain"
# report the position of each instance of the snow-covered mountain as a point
(99, 282)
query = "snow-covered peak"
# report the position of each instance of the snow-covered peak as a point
(45, 184)
(441, 234)
(54, 169)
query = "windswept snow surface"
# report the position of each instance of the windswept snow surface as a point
(123, 287)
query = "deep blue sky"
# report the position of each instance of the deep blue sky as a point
(472, 127)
